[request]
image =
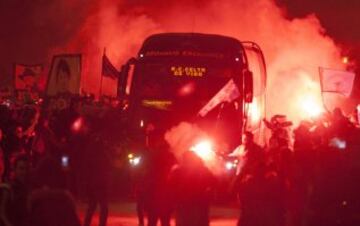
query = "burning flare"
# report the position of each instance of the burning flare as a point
(204, 150)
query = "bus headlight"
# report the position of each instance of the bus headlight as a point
(134, 160)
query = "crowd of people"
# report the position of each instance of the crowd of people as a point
(310, 178)
(52, 154)
(51, 151)
(307, 176)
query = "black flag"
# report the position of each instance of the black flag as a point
(108, 70)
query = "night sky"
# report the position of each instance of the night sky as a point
(340, 18)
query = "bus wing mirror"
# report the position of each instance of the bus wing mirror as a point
(248, 86)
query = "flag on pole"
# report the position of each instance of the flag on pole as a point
(227, 93)
(336, 81)
(64, 75)
(108, 69)
(27, 76)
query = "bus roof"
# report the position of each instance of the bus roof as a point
(191, 41)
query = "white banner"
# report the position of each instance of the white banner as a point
(336, 81)
(228, 93)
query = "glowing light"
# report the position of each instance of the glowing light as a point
(254, 112)
(78, 123)
(230, 165)
(345, 60)
(311, 107)
(187, 89)
(204, 150)
(65, 161)
(188, 71)
(237, 59)
(141, 55)
(337, 143)
(158, 104)
(135, 161)
(141, 123)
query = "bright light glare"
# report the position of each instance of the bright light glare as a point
(310, 107)
(135, 161)
(230, 165)
(338, 143)
(76, 126)
(254, 112)
(204, 150)
(187, 89)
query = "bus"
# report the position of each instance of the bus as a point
(202, 79)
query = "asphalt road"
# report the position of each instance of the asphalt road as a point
(123, 214)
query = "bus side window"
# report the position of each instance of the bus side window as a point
(248, 86)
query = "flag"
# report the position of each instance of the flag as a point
(27, 76)
(227, 93)
(108, 70)
(64, 75)
(336, 81)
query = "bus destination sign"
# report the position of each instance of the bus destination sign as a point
(188, 71)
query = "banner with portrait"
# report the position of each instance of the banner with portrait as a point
(27, 76)
(64, 75)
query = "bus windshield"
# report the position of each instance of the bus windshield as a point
(176, 75)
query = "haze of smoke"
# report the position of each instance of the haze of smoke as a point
(32, 29)
(294, 49)
(183, 136)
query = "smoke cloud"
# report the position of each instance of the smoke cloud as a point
(293, 49)
(33, 30)
(184, 136)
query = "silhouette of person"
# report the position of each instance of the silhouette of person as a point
(191, 183)
(97, 181)
(14, 195)
(156, 190)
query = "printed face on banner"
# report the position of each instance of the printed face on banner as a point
(64, 75)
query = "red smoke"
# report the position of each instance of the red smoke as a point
(186, 136)
(293, 49)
